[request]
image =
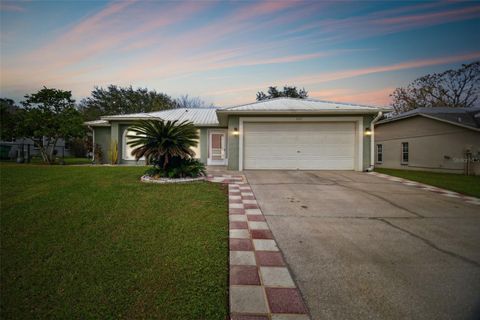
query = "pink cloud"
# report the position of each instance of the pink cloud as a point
(261, 8)
(96, 35)
(10, 7)
(234, 23)
(213, 60)
(386, 21)
(326, 77)
(432, 18)
(346, 74)
(146, 47)
(107, 29)
(370, 97)
(91, 23)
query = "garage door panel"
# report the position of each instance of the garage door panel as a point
(316, 145)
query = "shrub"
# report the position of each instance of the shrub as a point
(182, 168)
(178, 168)
(113, 152)
(153, 172)
(78, 147)
(98, 154)
(160, 142)
(168, 146)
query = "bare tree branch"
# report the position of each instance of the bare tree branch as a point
(451, 88)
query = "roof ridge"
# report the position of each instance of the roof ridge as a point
(302, 100)
(174, 109)
(250, 103)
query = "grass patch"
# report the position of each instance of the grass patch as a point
(94, 242)
(68, 160)
(469, 185)
(73, 160)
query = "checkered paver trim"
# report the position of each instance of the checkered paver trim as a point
(261, 287)
(226, 179)
(447, 193)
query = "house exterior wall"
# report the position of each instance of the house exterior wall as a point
(233, 143)
(105, 135)
(102, 138)
(367, 141)
(203, 145)
(433, 145)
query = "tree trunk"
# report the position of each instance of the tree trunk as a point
(44, 152)
(52, 151)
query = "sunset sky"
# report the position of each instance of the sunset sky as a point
(225, 52)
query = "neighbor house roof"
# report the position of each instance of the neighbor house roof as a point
(199, 116)
(463, 117)
(292, 105)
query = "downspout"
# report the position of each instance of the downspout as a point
(372, 141)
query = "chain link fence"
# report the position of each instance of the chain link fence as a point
(26, 152)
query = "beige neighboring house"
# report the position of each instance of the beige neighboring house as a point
(430, 139)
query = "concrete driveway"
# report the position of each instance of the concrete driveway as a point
(362, 247)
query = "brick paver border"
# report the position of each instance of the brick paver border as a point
(260, 285)
(444, 192)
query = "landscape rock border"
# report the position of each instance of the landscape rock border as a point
(149, 179)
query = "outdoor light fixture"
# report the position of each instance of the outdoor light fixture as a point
(368, 132)
(235, 132)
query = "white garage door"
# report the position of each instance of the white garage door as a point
(308, 146)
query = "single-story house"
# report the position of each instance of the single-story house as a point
(430, 139)
(282, 133)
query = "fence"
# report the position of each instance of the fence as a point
(24, 152)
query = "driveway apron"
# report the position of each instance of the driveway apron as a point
(364, 247)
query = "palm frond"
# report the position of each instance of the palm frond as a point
(160, 141)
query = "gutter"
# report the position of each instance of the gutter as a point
(372, 141)
(294, 112)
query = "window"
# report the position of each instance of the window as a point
(404, 152)
(379, 153)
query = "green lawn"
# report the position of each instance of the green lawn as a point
(469, 185)
(94, 242)
(73, 160)
(67, 160)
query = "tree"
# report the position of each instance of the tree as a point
(452, 88)
(162, 141)
(48, 116)
(191, 102)
(288, 91)
(9, 117)
(123, 100)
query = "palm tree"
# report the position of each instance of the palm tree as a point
(161, 141)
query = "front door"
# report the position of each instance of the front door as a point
(217, 148)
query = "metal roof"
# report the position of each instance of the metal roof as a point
(97, 123)
(199, 116)
(464, 117)
(301, 105)
(215, 117)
